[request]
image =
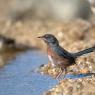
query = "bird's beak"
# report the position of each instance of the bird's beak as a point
(40, 37)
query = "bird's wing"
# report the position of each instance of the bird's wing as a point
(62, 52)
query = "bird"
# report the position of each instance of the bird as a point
(59, 57)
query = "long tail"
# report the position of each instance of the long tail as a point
(83, 52)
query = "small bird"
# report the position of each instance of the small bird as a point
(58, 56)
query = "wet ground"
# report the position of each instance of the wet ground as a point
(18, 78)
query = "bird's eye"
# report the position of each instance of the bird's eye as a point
(47, 36)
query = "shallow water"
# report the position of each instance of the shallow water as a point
(17, 77)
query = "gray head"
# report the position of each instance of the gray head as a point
(49, 39)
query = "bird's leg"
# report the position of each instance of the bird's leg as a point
(65, 72)
(60, 73)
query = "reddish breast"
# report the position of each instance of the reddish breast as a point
(49, 51)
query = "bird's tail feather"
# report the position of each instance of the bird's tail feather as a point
(83, 52)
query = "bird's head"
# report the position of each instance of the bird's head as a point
(49, 39)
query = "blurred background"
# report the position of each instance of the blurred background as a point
(22, 21)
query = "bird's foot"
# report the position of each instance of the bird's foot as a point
(60, 76)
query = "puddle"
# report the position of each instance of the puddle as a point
(16, 78)
(72, 76)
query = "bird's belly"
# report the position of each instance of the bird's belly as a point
(61, 62)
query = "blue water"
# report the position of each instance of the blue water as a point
(17, 77)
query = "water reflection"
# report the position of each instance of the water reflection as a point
(7, 55)
(9, 49)
(72, 76)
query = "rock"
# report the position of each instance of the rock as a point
(83, 86)
(92, 2)
(61, 10)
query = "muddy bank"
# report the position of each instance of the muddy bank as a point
(84, 86)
